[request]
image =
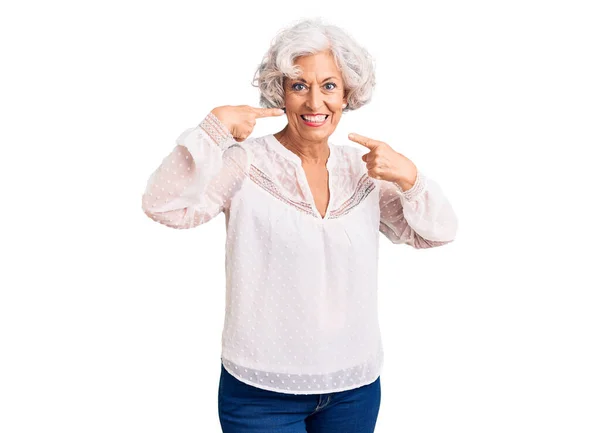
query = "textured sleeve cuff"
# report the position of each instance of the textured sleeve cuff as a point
(416, 190)
(217, 131)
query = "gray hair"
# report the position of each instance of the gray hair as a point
(311, 36)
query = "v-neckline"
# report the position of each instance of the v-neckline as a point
(291, 156)
(312, 196)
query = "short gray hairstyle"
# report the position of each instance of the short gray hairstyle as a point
(311, 36)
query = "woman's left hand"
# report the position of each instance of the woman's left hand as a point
(385, 163)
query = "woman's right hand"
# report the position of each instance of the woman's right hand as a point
(240, 119)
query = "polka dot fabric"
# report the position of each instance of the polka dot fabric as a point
(301, 288)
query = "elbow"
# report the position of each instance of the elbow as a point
(175, 219)
(439, 240)
(166, 219)
(420, 242)
(443, 235)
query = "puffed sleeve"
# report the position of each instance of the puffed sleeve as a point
(198, 179)
(421, 217)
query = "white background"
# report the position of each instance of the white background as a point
(111, 322)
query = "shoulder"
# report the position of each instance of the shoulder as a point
(251, 145)
(263, 154)
(255, 143)
(349, 149)
(349, 153)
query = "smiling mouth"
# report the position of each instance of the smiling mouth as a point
(315, 119)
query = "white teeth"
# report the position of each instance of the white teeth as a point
(316, 119)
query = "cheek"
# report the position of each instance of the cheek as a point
(337, 103)
(292, 103)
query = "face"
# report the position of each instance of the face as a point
(318, 90)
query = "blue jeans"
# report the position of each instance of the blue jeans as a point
(245, 408)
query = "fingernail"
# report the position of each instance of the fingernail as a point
(350, 135)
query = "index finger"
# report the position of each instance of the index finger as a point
(268, 112)
(365, 141)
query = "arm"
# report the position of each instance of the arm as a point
(198, 179)
(421, 216)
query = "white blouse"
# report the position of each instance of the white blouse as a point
(301, 290)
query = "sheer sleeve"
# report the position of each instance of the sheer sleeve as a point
(421, 217)
(198, 179)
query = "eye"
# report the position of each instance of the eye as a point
(333, 84)
(296, 84)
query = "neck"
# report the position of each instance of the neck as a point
(309, 152)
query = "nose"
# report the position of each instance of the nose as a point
(314, 100)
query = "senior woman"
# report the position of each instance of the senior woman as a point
(301, 345)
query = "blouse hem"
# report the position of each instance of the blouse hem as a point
(372, 378)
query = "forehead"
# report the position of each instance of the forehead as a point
(319, 66)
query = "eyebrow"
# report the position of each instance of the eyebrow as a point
(329, 78)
